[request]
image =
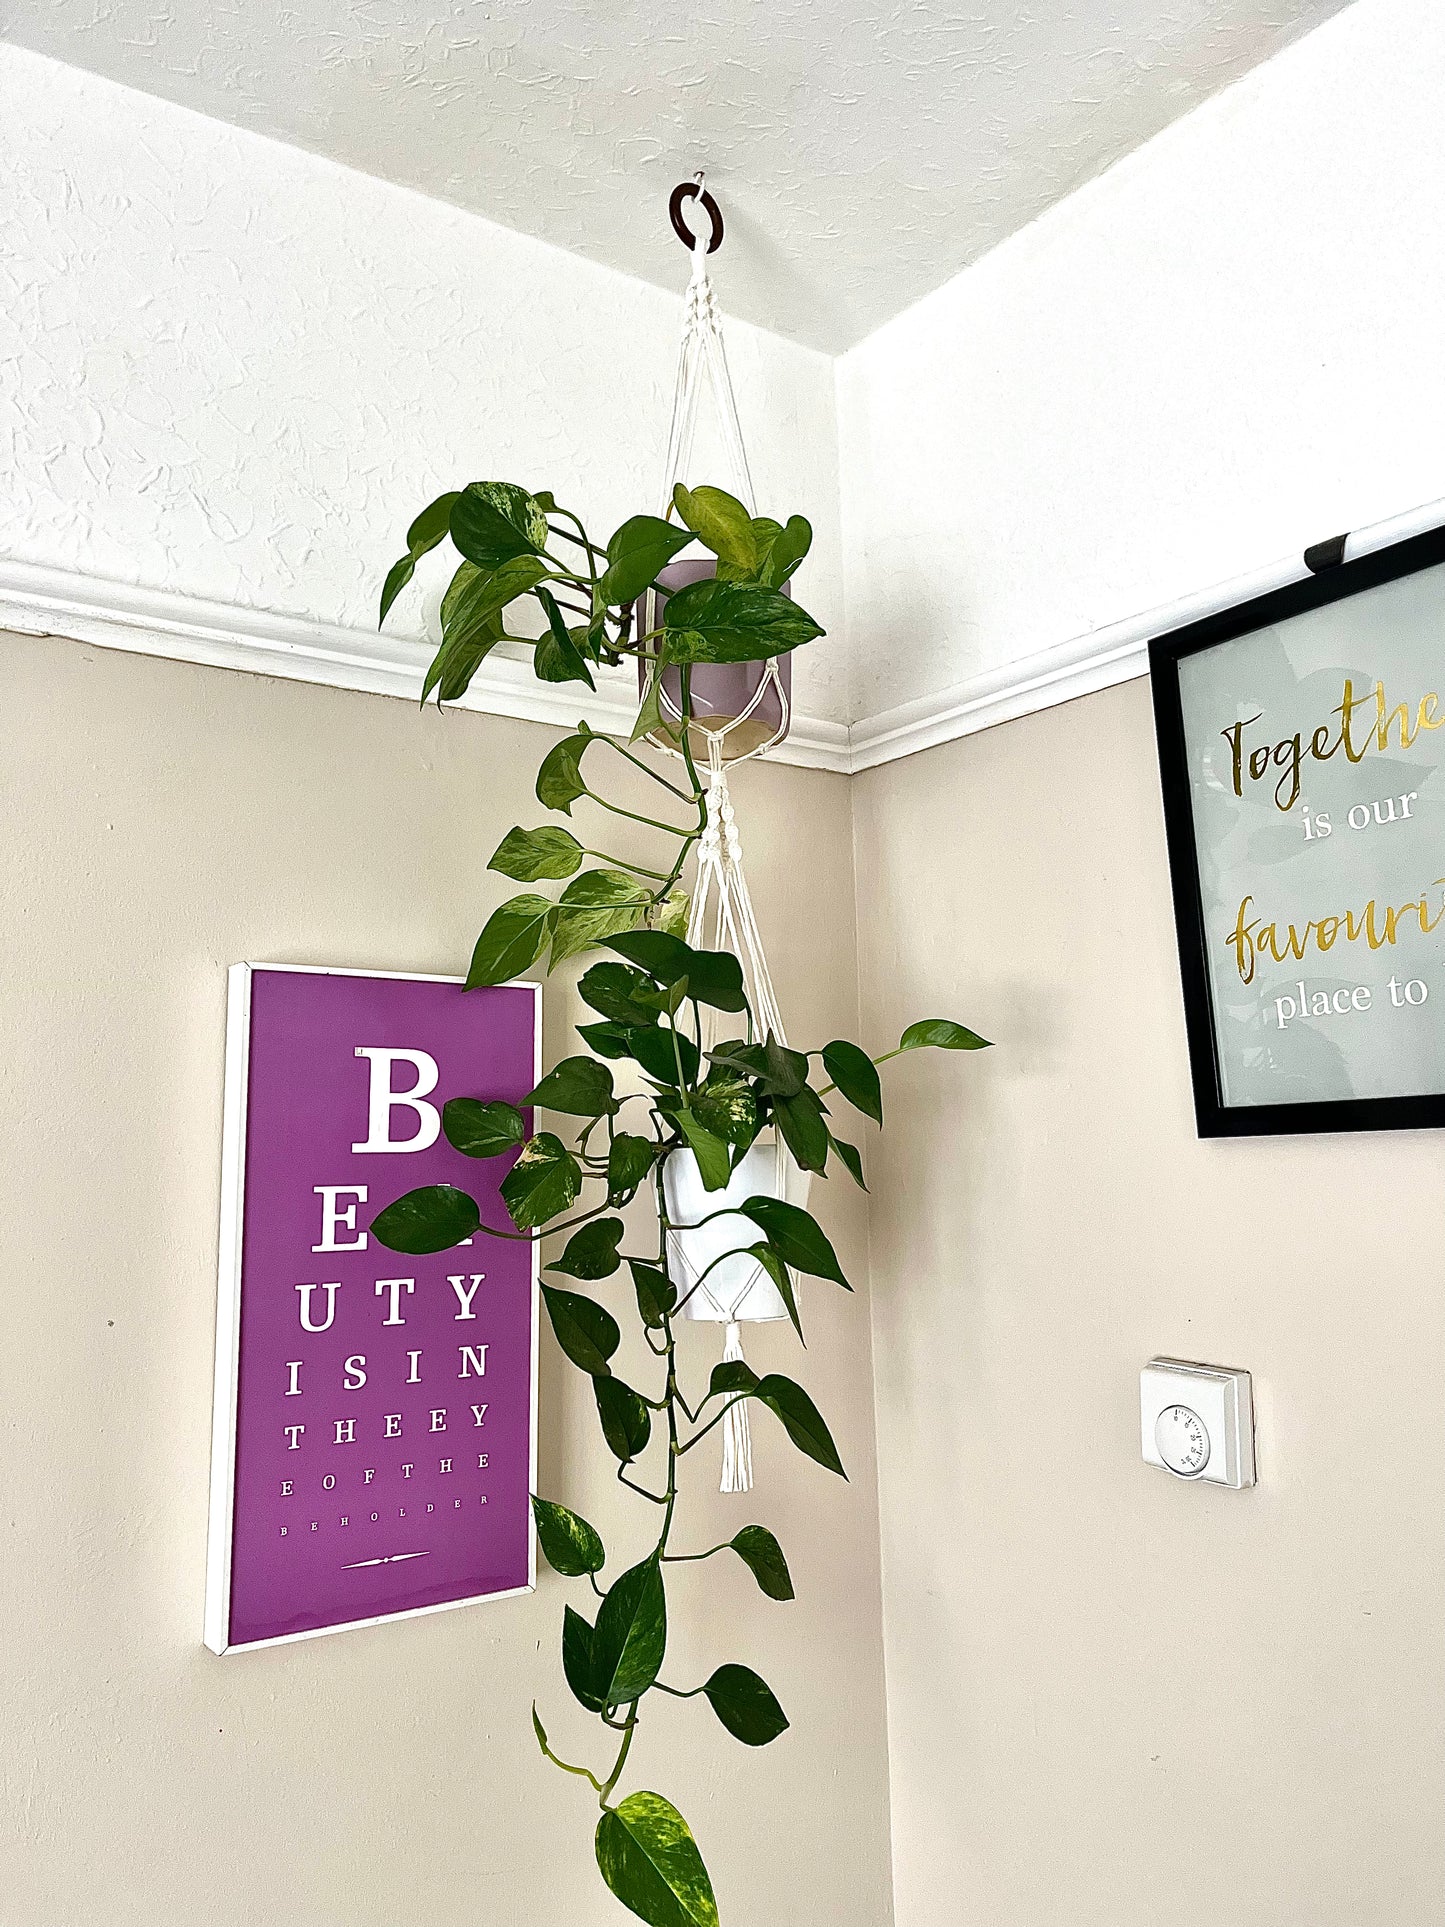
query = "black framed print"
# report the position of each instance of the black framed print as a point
(1302, 755)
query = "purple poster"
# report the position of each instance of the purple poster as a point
(375, 1413)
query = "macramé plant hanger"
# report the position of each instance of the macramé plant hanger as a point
(741, 710)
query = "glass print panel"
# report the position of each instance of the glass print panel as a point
(1315, 756)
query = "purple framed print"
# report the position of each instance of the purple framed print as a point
(374, 1441)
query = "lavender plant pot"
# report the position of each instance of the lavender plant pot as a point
(722, 691)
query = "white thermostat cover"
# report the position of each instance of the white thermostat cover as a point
(1197, 1421)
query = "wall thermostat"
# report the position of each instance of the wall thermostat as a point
(1197, 1421)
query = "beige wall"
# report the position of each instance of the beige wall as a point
(159, 822)
(1114, 1699)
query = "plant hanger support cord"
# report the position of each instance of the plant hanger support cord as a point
(721, 915)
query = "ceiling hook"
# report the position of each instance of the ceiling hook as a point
(692, 190)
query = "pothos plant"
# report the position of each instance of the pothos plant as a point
(519, 547)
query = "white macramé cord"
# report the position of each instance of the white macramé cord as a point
(720, 893)
(737, 1439)
(722, 918)
(702, 355)
(702, 351)
(721, 886)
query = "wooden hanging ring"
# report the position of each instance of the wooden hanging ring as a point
(689, 191)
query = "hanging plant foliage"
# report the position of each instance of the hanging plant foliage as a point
(711, 1104)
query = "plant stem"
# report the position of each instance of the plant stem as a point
(685, 709)
(677, 1059)
(653, 823)
(621, 1760)
(698, 1437)
(877, 1060)
(583, 1772)
(582, 539)
(712, 1265)
(624, 863)
(632, 1485)
(724, 1211)
(647, 769)
(547, 1231)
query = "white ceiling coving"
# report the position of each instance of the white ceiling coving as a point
(864, 153)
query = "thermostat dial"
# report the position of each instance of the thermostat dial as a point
(1183, 1440)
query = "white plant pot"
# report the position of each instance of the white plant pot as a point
(739, 1288)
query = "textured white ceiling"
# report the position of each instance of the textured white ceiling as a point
(864, 150)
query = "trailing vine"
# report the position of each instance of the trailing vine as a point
(649, 995)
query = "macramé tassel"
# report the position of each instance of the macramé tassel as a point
(737, 1439)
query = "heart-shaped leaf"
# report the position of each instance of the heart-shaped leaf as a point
(649, 1859)
(746, 1705)
(585, 1330)
(569, 1544)
(658, 1051)
(426, 531)
(457, 661)
(433, 1218)
(555, 656)
(592, 1251)
(626, 1421)
(712, 621)
(472, 620)
(780, 1072)
(787, 550)
(856, 1076)
(852, 1158)
(713, 1164)
(800, 1119)
(796, 1236)
(631, 1634)
(716, 977)
(665, 958)
(596, 906)
(544, 1181)
(782, 1278)
(725, 1105)
(763, 1556)
(649, 721)
(640, 549)
(532, 856)
(613, 989)
(559, 780)
(484, 593)
(941, 1033)
(713, 977)
(480, 1130)
(629, 1160)
(731, 1376)
(494, 522)
(578, 1086)
(457, 589)
(656, 1293)
(513, 938)
(671, 915)
(579, 1667)
(720, 521)
(608, 1040)
(765, 533)
(802, 1421)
